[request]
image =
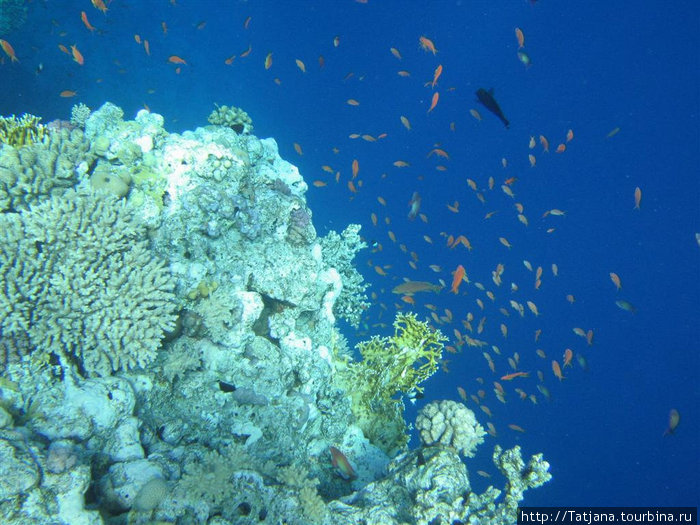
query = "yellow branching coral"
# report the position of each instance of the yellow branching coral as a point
(17, 132)
(391, 365)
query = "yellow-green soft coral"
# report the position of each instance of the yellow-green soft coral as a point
(17, 132)
(391, 365)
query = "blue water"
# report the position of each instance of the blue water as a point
(595, 66)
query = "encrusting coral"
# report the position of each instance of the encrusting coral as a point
(82, 284)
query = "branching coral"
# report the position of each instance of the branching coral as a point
(21, 131)
(81, 283)
(391, 365)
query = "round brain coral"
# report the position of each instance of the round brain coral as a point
(450, 424)
(81, 282)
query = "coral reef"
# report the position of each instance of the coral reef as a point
(82, 284)
(235, 411)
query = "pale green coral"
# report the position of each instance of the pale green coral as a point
(82, 284)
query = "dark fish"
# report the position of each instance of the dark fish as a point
(486, 98)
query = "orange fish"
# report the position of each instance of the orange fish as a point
(557, 370)
(268, 61)
(355, 168)
(474, 113)
(434, 101)
(637, 197)
(436, 75)
(67, 93)
(164, 26)
(341, 464)
(517, 428)
(63, 48)
(568, 356)
(616, 280)
(247, 51)
(510, 377)
(395, 52)
(319, 183)
(459, 274)
(174, 59)
(520, 36)
(100, 5)
(561, 148)
(77, 56)
(147, 47)
(427, 45)
(352, 102)
(137, 38)
(9, 51)
(300, 65)
(247, 22)
(84, 18)
(570, 135)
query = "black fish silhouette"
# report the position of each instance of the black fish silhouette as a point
(486, 98)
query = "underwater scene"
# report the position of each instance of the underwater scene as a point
(363, 262)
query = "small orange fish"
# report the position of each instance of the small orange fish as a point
(517, 428)
(137, 38)
(616, 280)
(355, 168)
(342, 465)
(434, 101)
(67, 93)
(9, 51)
(520, 36)
(174, 59)
(63, 48)
(147, 47)
(510, 377)
(77, 56)
(395, 52)
(99, 5)
(436, 75)
(557, 370)
(84, 18)
(164, 26)
(570, 135)
(459, 274)
(568, 356)
(427, 45)
(561, 148)
(247, 22)
(319, 183)
(352, 102)
(298, 149)
(474, 113)
(637, 197)
(247, 51)
(300, 65)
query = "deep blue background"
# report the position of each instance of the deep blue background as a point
(596, 65)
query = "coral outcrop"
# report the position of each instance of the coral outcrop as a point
(113, 409)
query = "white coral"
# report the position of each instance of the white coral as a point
(451, 424)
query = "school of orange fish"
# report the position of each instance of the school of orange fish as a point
(488, 301)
